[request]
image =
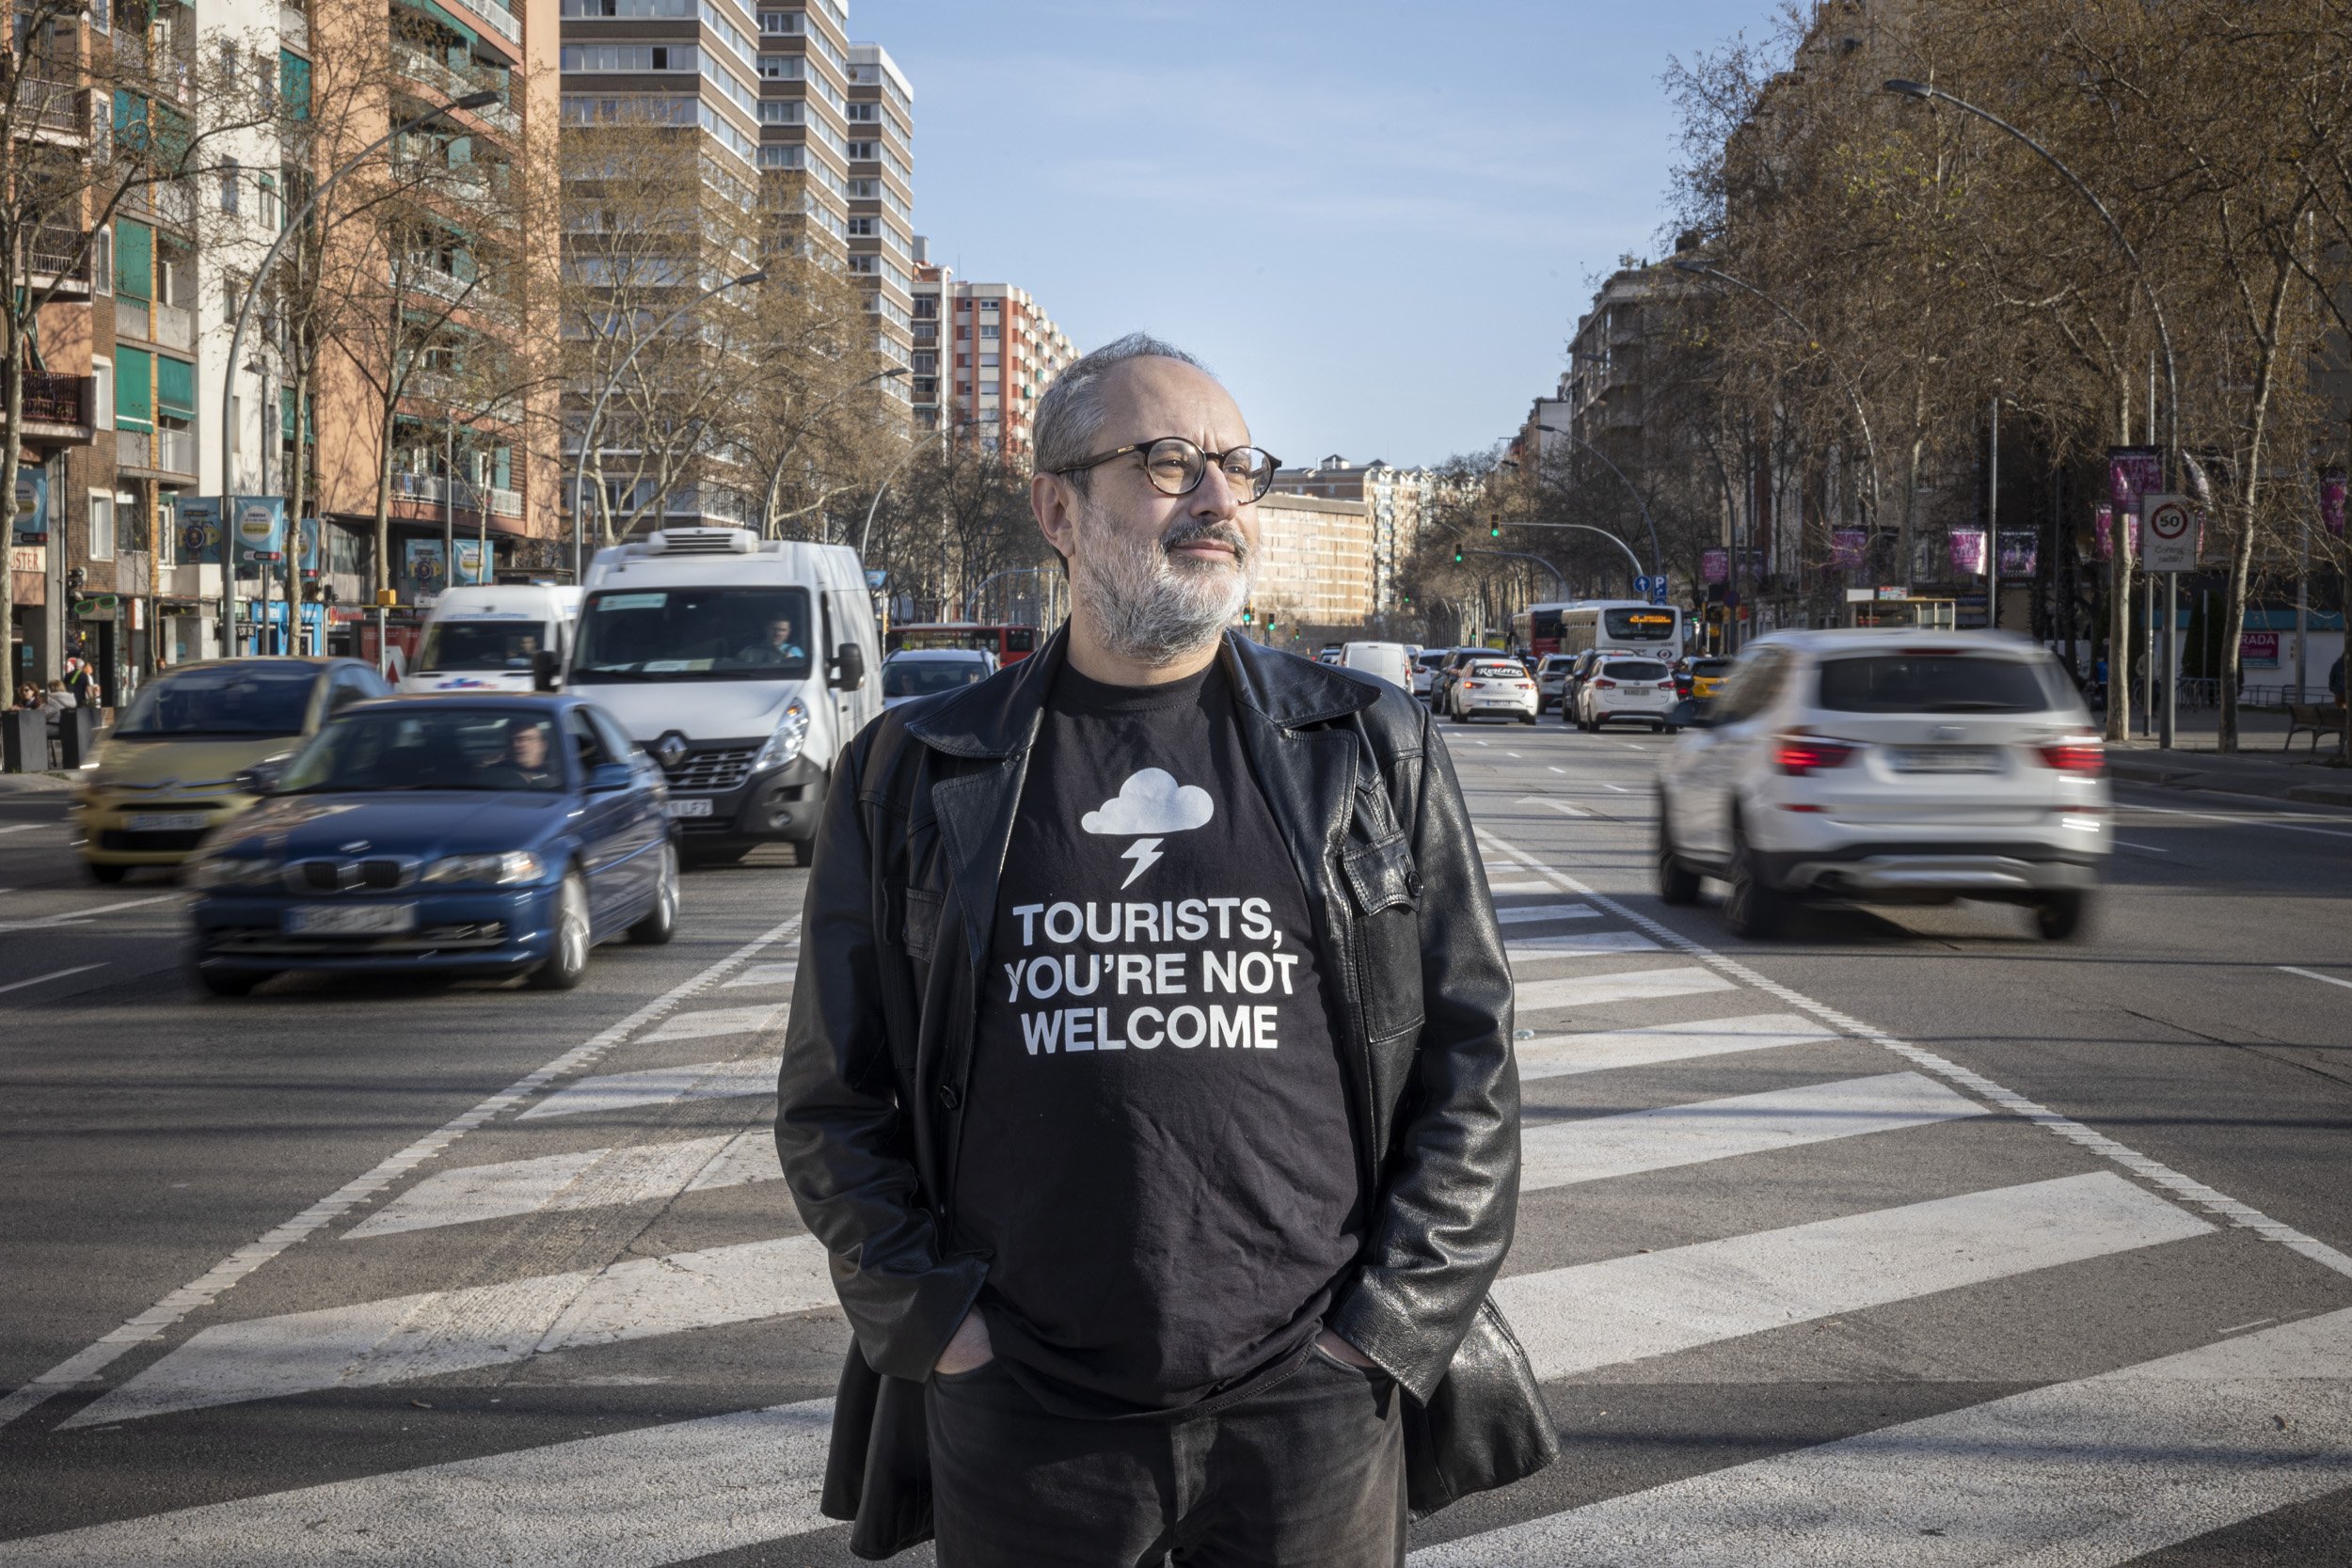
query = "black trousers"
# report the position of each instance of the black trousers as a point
(1307, 1473)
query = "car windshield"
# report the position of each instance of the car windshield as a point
(1556, 663)
(920, 677)
(1711, 667)
(229, 699)
(1638, 625)
(1634, 670)
(482, 645)
(1932, 683)
(433, 747)
(1432, 661)
(655, 634)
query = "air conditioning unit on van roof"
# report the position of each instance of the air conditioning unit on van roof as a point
(702, 541)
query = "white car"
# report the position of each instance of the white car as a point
(1641, 689)
(913, 673)
(1550, 675)
(1427, 664)
(1887, 767)
(1388, 660)
(1500, 688)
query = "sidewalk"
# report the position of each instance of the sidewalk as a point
(36, 783)
(2259, 767)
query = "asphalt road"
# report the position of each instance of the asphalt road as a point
(1908, 1239)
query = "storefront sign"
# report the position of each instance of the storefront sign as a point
(2258, 647)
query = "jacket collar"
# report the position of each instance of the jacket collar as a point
(999, 716)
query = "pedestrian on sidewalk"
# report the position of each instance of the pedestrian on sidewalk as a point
(1148, 1077)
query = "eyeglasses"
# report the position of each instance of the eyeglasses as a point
(1174, 465)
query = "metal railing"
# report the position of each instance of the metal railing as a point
(59, 253)
(51, 398)
(164, 450)
(294, 25)
(52, 103)
(418, 65)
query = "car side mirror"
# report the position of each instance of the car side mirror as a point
(606, 777)
(545, 671)
(1690, 714)
(848, 667)
(261, 778)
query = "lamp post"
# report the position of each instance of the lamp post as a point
(588, 432)
(942, 434)
(236, 341)
(2116, 656)
(1657, 556)
(1558, 577)
(776, 475)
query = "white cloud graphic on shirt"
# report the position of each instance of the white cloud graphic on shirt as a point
(1151, 801)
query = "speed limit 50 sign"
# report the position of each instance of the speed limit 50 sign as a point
(2168, 534)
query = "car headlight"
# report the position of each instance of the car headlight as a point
(234, 871)
(514, 865)
(785, 745)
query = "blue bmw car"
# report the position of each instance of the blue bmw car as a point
(497, 835)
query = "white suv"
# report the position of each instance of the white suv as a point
(1625, 688)
(1887, 767)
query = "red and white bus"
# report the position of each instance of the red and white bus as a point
(1009, 644)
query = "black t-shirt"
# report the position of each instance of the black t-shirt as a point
(1157, 1148)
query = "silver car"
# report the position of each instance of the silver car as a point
(1887, 767)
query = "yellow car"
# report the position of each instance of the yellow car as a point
(1706, 677)
(168, 773)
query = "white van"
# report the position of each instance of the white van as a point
(488, 639)
(741, 665)
(1388, 660)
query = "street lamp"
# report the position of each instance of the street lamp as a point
(236, 341)
(944, 430)
(587, 438)
(776, 475)
(1657, 556)
(2117, 723)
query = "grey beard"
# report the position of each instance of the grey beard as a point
(1147, 608)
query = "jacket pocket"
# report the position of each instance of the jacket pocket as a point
(1386, 889)
(1483, 1426)
(920, 932)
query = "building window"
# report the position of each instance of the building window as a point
(101, 372)
(987, 330)
(783, 23)
(102, 525)
(228, 184)
(863, 113)
(779, 68)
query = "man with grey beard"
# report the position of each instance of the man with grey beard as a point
(1149, 1078)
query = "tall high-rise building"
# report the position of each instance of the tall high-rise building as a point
(984, 354)
(882, 202)
(1393, 498)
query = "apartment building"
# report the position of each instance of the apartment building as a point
(881, 204)
(984, 354)
(112, 559)
(1315, 561)
(1395, 499)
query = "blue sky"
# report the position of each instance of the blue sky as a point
(1377, 222)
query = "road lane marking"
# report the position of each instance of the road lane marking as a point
(1562, 1154)
(53, 974)
(1623, 1309)
(583, 1179)
(632, 1499)
(208, 1286)
(1557, 769)
(1581, 944)
(76, 917)
(28, 826)
(2325, 979)
(1546, 912)
(1619, 788)
(2145, 848)
(659, 1085)
(2208, 1198)
(1564, 1055)
(2242, 821)
(714, 1022)
(765, 975)
(2092, 1473)
(405, 1338)
(1642, 985)
(1561, 806)
(1521, 885)
(1514, 755)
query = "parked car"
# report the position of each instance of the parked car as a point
(1573, 681)
(1493, 687)
(495, 834)
(1548, 676)
(913, 673)
(169, 770)
(1641, 689)
(1388, 660)
(1888, 767)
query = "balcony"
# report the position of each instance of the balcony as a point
(419, 66)
(51, 106)
(428, 490)
(174, 326)
(58, 259)
(164, 453)
(57, 408)
(294, 27)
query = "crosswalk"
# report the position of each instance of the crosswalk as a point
(637, 1206)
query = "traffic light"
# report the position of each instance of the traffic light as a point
(1249, 615)
(1457, 555)
(1494, 524)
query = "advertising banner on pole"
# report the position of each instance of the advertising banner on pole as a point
(32, 507)
(1848, 548)
(2133, 472)
(1967, 550)
(2331, 488)
(2021, 552)
(261, 523)
(423, 557)
(2103, 520)
(199, 521)
(311, 535)
(1714, 565)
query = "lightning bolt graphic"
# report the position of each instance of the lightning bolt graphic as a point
(1145, 852)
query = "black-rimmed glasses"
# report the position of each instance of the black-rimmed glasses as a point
(1174, 465)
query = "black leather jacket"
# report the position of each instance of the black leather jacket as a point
(897, 926)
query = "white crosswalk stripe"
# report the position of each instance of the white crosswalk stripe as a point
(661, 1085)
(403, 1338)
(1558, 1055)
(764, 974)
(1573, 1319)
(2088, 1474)
(1546, 912)
(1599, 1148)
(1641, 985)
(583, 1179)
(713, 1021)
(1581, 944)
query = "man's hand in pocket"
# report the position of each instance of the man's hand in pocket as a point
(969, 1347)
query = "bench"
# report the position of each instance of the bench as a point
(2313, 720)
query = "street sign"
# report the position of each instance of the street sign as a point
(1641, 588)
(2168, 534)
(1658, 590)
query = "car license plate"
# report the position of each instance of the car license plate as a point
(350, 920)
(167, 821)
(690, 807)
(1947, 759)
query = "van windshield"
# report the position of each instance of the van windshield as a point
(482, 645)
(667, 634)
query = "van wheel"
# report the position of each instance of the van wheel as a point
(661, 922)
(567, 965)
(1676, 882)
(109, 874)
(1756, 909)
(2063, 916)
